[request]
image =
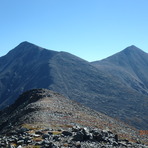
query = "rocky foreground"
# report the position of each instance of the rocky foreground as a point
(74, 137)
(41, 118)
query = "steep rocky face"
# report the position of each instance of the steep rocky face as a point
(28, 66)
(42, 117)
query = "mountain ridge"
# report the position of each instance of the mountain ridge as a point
(72, 77)
(40, 114)
(130, 62)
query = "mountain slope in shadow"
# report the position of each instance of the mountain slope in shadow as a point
(130, 66)
(28, 66)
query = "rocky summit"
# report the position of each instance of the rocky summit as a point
(41, 118)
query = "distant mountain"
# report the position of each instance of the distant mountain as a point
(130, 66)
(24, 67)
(28, 66)
(44, 109)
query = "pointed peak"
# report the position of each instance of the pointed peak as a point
(132, 49)
(26, 43)
(133, 46)
(23, 48)
(28, 46)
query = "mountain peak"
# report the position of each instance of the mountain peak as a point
(26, 45)
(132, 49)
(132, 46)
(25, 48)
(25, 42)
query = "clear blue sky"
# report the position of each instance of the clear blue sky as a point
(90, 29)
